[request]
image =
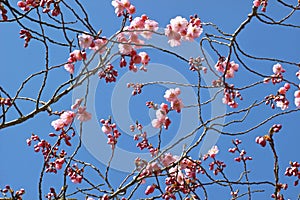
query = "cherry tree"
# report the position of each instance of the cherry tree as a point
(233, 115)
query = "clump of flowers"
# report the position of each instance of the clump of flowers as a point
(277, 77)
(293, 170)
(196, 64)
(227, 68)
(123, 7)
(5, 101)
(26, 35)
(18, 195)
(262, 140)
(280, 98)
(230, 95)
(3, 12)
(180, 29)
(263, 3)
(75, 56)
(26, 5)
(241, 152)
(110, 129)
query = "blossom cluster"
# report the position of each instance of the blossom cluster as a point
(111, 131)
(122, 7)
(5, 101)
(293, 170)
(226, 68)
(277, 75)
(74, 56)
(162, 119)
(263, 3)
(26, 35)
(26, 5)
(241, 152)
(280, 98)
(181, 174)
(230, 95)
(181, 29)
(3, 12)
(14, 194)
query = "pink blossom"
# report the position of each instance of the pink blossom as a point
(297, 102)
(106, 129)
(150, 189)
(77, 55)
(261, 140)
(256, 3)
(176, 173)
(168, 159)
(83, 115)
(134, 39)
(69, 67)
(150, 25)
(124, 47)
(67, 117)
(99, 45)
(179, 24)
(277, 69)
(144, 58)
(85, 40)
(58, 124)
(177, 105)
(76, 104)
(156, 123)
(213, 151)
(59, 162)
(173, 36)
(121, 6)
(171, 94)
(298, 74)
(193, 32)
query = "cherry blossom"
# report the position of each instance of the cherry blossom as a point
(85, 40)
(121, 6)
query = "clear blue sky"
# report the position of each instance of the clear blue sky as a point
(20, 166)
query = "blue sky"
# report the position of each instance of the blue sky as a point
(20, 166)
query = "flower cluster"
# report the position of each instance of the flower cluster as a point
(137, 88)
(75, 173)
(242, 152)
(109, 74)
(297, 98)
(262, 140)
(88, 42)
(280, 98)
(3, 12)
(14, 195)
(277, 77)
(5, 101)
(144, 144)
(227, 68)
(181, 175)
(230, 95)
(75, 56)
(26, 35)
(123, 7)
(263, 3)
(110, 129)
(161, 117)
(141, 26)
(25, 5)
(180, 29)
(196, 64)
(81, 114)
(171, 96)
(293, 170)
